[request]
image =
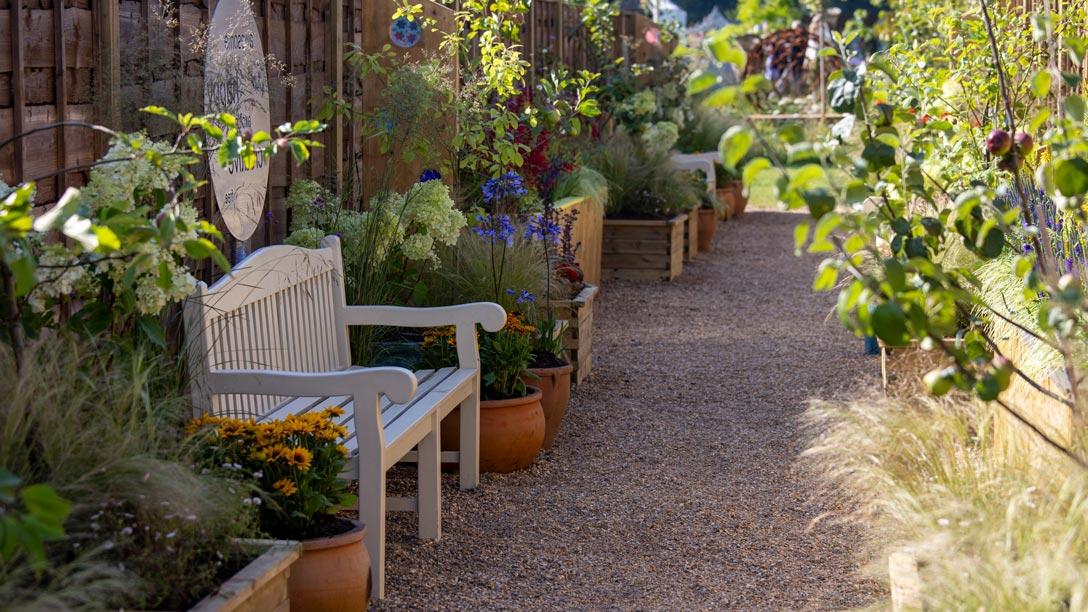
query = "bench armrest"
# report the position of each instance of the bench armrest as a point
(364, 385)
(397, 383)
(463, 316)
(491, 316)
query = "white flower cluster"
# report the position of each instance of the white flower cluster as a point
(147, 263)
(429, 217)
(641, 104)
(660, 136)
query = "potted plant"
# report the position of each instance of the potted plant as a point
(708, 219)
(725, 181)
(294, 465)
(497, 261)
(512, 422)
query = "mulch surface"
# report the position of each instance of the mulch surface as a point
(675, 482)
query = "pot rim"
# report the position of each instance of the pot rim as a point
(351, 536)
(535, 394)
(557, 370)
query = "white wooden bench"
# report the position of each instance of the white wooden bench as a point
(271, 339)
(698, 161)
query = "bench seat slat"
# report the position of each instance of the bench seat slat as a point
(440, 390)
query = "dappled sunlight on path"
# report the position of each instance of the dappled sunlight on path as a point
(674, 483)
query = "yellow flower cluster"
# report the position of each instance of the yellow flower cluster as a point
(278, 441)
(515, 323)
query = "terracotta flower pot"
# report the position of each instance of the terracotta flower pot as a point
(511, 432)
(727, 198)
(333, 573)
(739, 199)
(554, 385)
(708, 224)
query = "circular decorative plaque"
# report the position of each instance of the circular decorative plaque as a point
(236, 82)
(405, 33)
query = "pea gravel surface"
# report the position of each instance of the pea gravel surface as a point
(675, 481)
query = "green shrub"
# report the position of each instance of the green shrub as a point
(641, 184)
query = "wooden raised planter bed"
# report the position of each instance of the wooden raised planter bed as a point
(578, 331)
(638, 249)
(260, 586)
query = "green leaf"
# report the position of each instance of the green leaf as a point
(753, 168)
(700, 82)
(725, 51)
(1074, 107)
(881, 63)
(895, 274)
(843, 92)
(1071, 176)
(722, 96)
(800, 235)
(734, 145)
(42, 501)
(154, 331)
(826, 276)
(889, 323)
(1040, 84)
(879, 155)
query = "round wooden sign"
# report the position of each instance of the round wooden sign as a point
(236, 82)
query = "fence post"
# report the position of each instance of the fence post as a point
(108, 66)
(334, 156)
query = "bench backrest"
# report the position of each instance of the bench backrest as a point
(278, 309)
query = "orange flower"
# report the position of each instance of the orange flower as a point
(299, 457)
(285, 486)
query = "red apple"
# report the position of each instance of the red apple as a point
(998, 142)
(1023, 142)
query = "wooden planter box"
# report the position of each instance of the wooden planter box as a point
(587, 235)
(691, 236)
(260, 586)
(577, 315)
(643, 250)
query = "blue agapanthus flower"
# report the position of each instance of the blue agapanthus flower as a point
(505, 187)
(430, 175)
(498, 228)
(523, 296)
(540, 227)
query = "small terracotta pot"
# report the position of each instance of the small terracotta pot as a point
(726, 197)
(511, 432)
(739, 199)
(333, 574)
(554, 385)
(708, 224)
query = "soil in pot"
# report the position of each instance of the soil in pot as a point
(333, 574)
(708, 224)
(552, 377)
(511, 432)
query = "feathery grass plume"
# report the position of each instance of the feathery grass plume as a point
(923, 474)
(584, 182)
(99, 422)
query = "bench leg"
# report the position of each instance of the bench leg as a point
(470, 442)
(372, 513)
(429, 483)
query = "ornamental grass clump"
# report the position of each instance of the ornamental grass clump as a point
(925, 475)
(293, 466)
(99, 422)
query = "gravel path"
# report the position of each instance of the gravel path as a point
(674, 483)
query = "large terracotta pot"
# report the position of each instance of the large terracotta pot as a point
(333, 574)
(554, 385)
(511, 432)
(708, 224)
(739, 199)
